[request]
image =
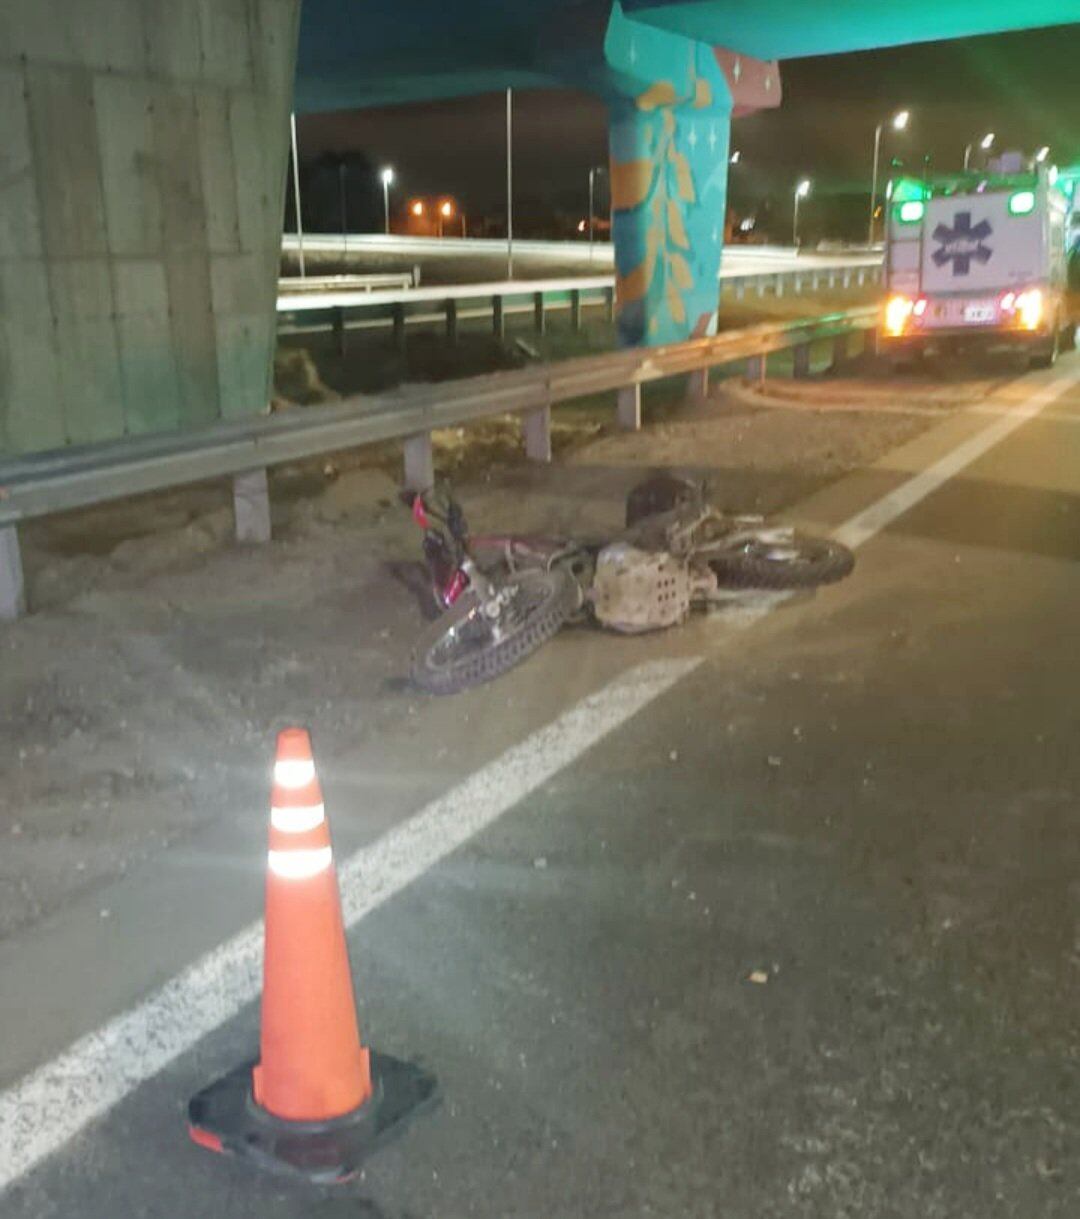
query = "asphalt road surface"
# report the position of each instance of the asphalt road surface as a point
(777, 915)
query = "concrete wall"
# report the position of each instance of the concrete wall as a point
(143, 148)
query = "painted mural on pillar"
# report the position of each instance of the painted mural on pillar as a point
(669, 154)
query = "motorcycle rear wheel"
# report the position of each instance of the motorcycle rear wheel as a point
(464, 648)
(802, 561)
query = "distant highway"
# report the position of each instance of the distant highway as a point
(737, 259)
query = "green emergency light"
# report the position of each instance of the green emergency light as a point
(1021, 203)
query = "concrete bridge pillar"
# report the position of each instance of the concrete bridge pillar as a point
(671, 101)
(142, 167)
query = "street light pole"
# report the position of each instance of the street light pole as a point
(296, 192)
(596, 169)
(592, 193)
(801, 191)
(898, 122)
(387, 176)
(986, 143)
(509, 183)
(873, 183)
(344, 211)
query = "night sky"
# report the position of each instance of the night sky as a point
(1025, 87)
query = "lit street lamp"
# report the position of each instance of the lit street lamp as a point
(445, 212)
(801, 191)
(387, 176)
(986, 143)
(1042, 154)
(735, 157)
(898, 122)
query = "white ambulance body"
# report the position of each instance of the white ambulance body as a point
(978, 258)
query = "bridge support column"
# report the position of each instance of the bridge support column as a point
(140, 214)
(12, 588)
(669, 161)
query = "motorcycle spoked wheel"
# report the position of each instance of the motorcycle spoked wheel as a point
(800, 561)
(464, 648)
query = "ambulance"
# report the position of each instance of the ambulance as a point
(981, 259)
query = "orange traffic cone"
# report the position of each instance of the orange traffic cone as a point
(317, 1101)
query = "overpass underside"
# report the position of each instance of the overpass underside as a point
(144, 150)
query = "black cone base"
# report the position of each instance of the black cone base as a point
(225, 1118)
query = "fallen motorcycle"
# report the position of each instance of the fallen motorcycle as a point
(504, 596)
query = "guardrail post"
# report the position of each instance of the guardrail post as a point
(339, 330)
(847, 277)
(451, 331)
(575, 309)
(796, 283)
(628, 412)
(419, 462)
(399, 326)
(498, 318)
(760, 280)
(740, 289)
(778, 286)
(800, 364)
(814, 282)
(251, 506)
(537, 428)
(839, 350)
(539, 317)
(860, 276)
(755, 369)
(697, 386)
(832, 279)
(12, 587)
(609, 304)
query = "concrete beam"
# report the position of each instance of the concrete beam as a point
(12, 586)
(251, 506)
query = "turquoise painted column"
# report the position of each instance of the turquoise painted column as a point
(670, 131)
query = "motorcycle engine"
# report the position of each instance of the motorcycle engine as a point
(640, 590)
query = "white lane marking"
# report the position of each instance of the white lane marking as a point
(44, 1110)
(879, 516)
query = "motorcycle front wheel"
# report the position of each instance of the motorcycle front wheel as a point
(468, 646)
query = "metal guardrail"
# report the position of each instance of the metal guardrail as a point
(383, 280)
(449, 305)
(43, 483)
